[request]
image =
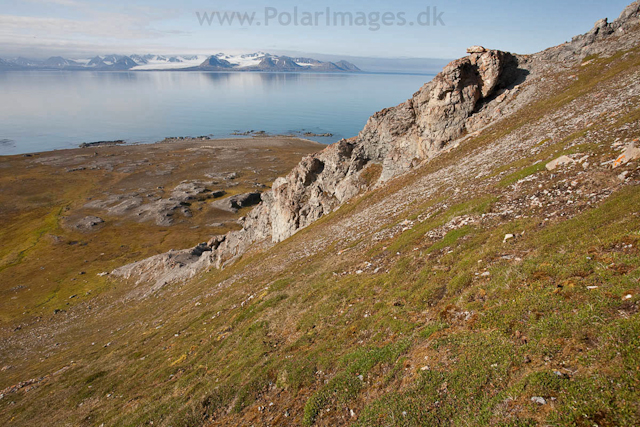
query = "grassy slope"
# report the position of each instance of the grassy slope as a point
(428, 340)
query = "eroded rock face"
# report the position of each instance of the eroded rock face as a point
(586, 44)
(160, 270)
(439, 113)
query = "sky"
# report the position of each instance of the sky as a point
(82, 28)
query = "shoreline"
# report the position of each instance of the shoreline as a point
(172, 141)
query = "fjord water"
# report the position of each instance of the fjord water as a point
(42, 110)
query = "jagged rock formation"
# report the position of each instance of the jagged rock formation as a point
(587, 44)
(467, 95)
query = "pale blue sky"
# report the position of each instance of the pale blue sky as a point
(78, 28)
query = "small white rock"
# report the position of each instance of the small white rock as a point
(539, 400)
(562, 160)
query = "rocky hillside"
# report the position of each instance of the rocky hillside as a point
(470, 258)
(468, 95)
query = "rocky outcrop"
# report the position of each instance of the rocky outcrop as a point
(160, 210)
(439, 113)
(587, 44)
(160, 270)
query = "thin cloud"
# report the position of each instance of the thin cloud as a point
(69, 3)
(91, 24)
(106, 26)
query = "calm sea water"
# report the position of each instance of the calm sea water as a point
(53, 110)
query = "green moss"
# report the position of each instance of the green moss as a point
(432, 328)
(346, 385)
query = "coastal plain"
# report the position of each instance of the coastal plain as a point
(69, 216)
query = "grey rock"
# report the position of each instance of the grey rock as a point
(237, 202)
(162, 211)
(215, 241)
(200, 249)
(587, 44)
(160, 270)
(88, 223)
(560, 161)
(476, 49)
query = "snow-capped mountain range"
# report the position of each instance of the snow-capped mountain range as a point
(258, 61)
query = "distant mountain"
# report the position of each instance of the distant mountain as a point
(267, 62)
(25, 62)
(347, 66)
(215, 63)
(257, 61)
(96, 62)
(141, 60)
(59, 62)
(5, 65)
(112, 59)
(282, 63)
(122, 64)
